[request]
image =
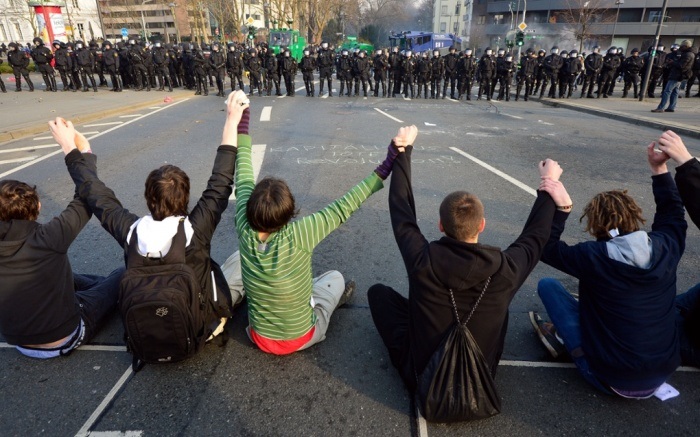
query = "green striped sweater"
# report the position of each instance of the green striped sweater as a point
(278, 279)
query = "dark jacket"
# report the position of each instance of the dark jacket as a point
(627, 313)
(438, 266)
(688, 181)
(34, 310)
(204, 217)
(682, 67)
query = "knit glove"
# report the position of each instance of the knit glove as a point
(244, 124)
(384, 169)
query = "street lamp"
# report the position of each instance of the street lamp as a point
(172, 12)
(617, 17)
(143, 18)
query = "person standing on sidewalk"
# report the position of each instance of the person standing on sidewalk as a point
(695, 77)
(19, 62)
(622, 331)
(681, 69)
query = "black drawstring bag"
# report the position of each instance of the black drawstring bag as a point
(457, 385)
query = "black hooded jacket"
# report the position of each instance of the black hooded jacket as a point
(438, 266)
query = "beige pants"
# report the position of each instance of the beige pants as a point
(327, 290)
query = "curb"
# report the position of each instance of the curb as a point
(639, 121)
(79, 119)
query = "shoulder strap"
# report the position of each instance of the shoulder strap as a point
(471, 313)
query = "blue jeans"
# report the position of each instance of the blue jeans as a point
(672, 91)
(687, 312)
(97, 299)
(563, 311)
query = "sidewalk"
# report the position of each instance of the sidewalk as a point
(685, 121)
(27, 113)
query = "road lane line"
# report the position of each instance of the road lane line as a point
(111, 123)
(22, 149)
(510, 179)
(116, 433)
(258, 155)
(511, 116)
(266, 113)
(85, 430)
(42, 138)
(16, 160)
(120, 124)
(391, 117)
(130, 115)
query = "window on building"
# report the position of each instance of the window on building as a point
(443, 10)
(654, 16)
(257, 17)
(18, 28)
(457, 8)
(481, 19)
(455, 27)
(3, 32)
(498, 19)
(443, 27)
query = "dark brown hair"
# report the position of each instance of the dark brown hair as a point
(18, 201)
(612, 210)
(461, 214)
(270, 206)
(167, 192)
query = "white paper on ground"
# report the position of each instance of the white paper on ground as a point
(666, 391)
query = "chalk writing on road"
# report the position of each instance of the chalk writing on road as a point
(360, 154)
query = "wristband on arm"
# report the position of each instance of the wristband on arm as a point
(384, 169)
(244, 124)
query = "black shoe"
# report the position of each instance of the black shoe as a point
(669, 110)
(347, 293)
(548, 336)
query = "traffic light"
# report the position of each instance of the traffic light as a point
(251, 32)
(519, 37)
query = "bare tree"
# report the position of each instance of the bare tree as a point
(585, 17)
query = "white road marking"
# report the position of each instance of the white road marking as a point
(510, 179)
(13, 161)
(544, 122)
(154, 107)
(130, 115)
(258, 156)
(406, 98)
(391, 117)
(422, 424)
(85, 430)
(119, 123)
(21, 149)
(265, 114)
(299, 89)
(430, 124)
(111, 123)
(511, 116)
(115, 434)
(49, 138)
(325, 96)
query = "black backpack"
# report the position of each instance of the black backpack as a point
(162, 305)
(457, 385)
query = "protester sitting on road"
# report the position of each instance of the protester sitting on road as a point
(289, 310)
(412, 328)
(687, 304)
(45, 308)
(621, 333)
(167, 197)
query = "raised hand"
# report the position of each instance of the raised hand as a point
(671, 144)
(64, 134)
(406, 136)
(550, 169)
(657, 160)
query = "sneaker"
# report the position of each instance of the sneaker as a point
(669, 110)
(657, 110)
(347, 293)
(548, 335)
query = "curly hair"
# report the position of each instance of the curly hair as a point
(612, 210)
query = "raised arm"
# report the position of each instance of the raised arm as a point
(687, 172)
(206, 214)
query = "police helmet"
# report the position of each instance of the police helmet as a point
(395, 49)
(363, 53)
(564, 54)
(529, 51)
(12, 45)
(78, 45)
(56, 43)
(674, 47)
(596, 49)
(132, 42)
(660, 48)
(379, 51)
(344, 53)
(215, 47)
(468, 52)
(509, 57)
(501, 52)
(409, 53)
(541, 52)
(324, 45)
(635, 50)
(286, 53)
(425, 54)
(488, 51)
(555, 50)
(252, 51)
(38, 41)
(612, 50)
(158, 45)
(356, 51)
(307, 52)
(573, 54)
(452, 49)
(106, 44)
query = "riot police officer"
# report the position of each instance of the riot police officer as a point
(110, 61)
(504, 73)
(361, 69)
(255, 67)
(380, 64)
(19, 63)
(137, 59)
(217, 64)
(325, 68)
(307, 65)
(437, 70)
(450, 72)
(593, 65)
(465, 72)
(630, 69)
(487, 70)
(42, 56)
(552, 64)
(607, 75)
(344, 72)
(528, 69)
(161, 61)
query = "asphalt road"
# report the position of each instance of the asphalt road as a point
(345, 385)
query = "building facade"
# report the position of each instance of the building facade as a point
(18, 22)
